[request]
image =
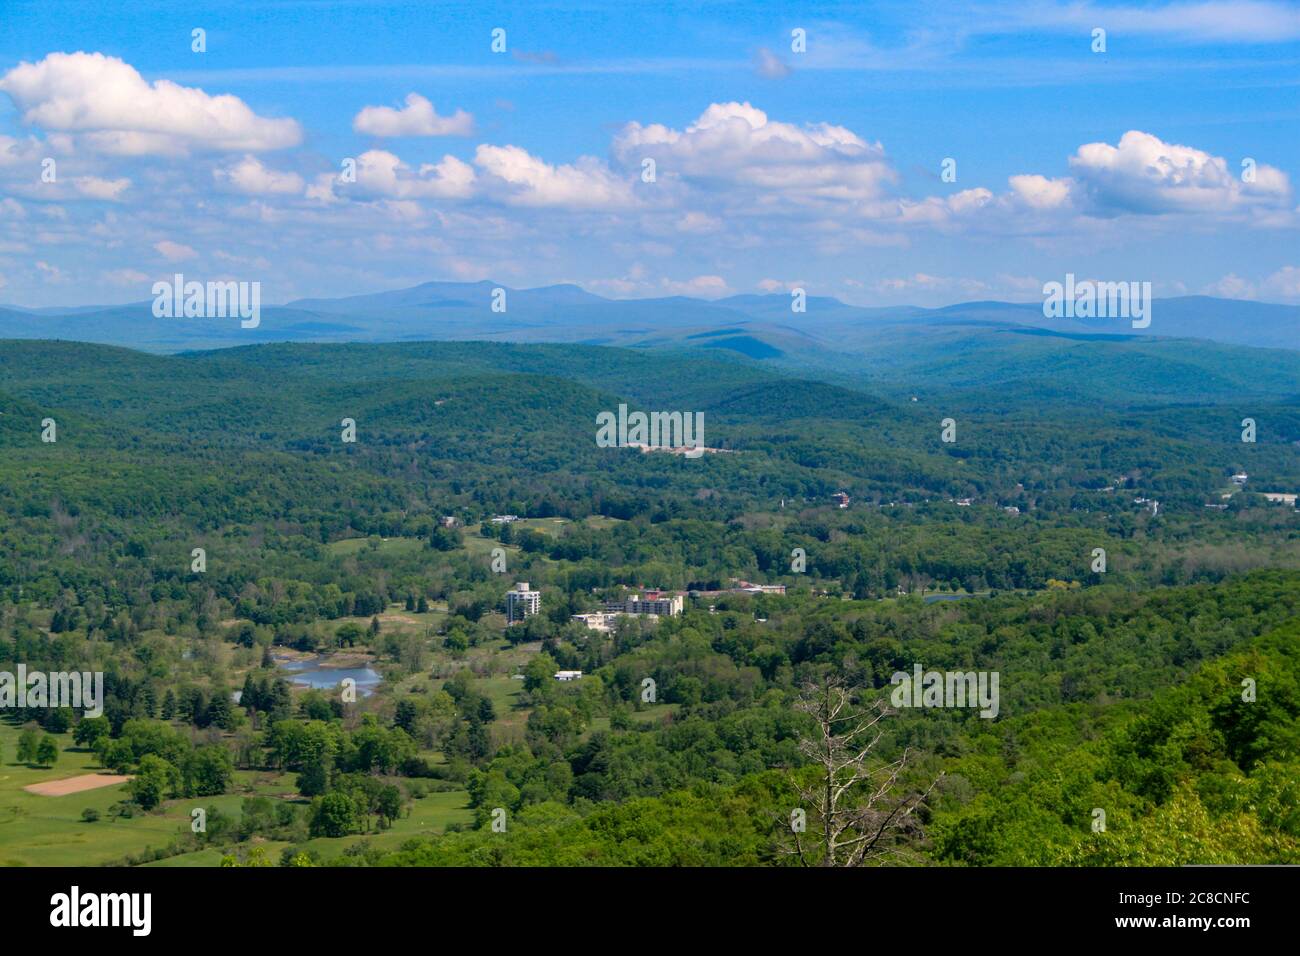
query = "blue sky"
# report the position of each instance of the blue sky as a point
(773, 168)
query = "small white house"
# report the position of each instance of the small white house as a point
(567, 675)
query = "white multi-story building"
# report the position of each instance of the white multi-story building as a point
(598, 621)
(654, 602)
(521, 602)
(664, 605)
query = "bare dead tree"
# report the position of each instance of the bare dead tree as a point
(859, 816)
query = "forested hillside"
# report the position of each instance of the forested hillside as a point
(1121, 684)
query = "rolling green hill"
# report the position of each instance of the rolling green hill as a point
(975, 554)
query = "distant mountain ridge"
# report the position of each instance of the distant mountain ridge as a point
(567, 312)
(1195, 346)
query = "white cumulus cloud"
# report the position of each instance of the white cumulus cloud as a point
(738, 144)
(1039, 192)
(417, 118)
(174, 251)
(380, 174)
(528, 181)
(92, 187)
(250, 176)
(1145, 175)
(119, 111)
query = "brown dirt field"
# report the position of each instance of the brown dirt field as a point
(87, 781)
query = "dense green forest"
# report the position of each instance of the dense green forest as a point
(1160, 688)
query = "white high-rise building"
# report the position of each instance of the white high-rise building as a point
(522, 602)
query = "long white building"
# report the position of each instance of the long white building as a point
(660, 603)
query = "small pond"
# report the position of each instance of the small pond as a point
(310, 672)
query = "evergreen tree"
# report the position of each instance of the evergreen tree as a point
(219, 712)
(406, 714)
(249, 698)
(281, 706)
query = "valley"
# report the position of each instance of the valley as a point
(477, 465)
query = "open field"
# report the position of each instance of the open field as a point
(41, 830)
(78, 784)
(431, 814)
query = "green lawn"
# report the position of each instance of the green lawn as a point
(656, 714)
(478, 546)
(432, 814)
(49, 831)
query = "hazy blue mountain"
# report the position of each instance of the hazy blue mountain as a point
(973, 344)
(1235, 321)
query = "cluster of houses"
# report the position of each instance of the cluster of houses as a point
(842, 500)
(1150, 504)
(1277, 497)
(690, 451)
(522, 602)
(451, 521)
